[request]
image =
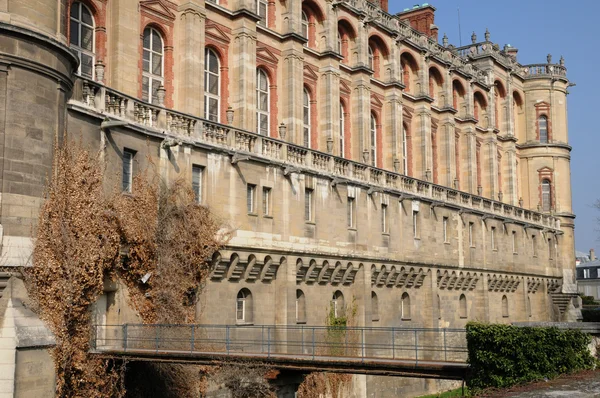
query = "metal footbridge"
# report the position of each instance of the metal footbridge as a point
(407, 352)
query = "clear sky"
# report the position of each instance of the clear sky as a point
(537, 28)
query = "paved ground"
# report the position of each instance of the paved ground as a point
(581, 385)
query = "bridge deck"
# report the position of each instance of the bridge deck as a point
(427, 353)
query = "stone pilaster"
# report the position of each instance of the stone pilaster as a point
(361, 113)
(293, 66)
(471, 166)
(329, 112)
(292, 17)
(243, 87)
(123, 62)
(426, 159)
(392, 130)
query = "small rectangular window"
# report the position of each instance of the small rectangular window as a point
(351, 212)
(445, 228)
(471, 235)
(128, 155)
(308, 204)
(415, 224)
(384, 222)
(514, 242)
(266, 201)
(493, 236)
(261, 10)
(250, 199)
(586, 273)
(197, 176)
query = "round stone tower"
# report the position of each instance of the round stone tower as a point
(36, 78)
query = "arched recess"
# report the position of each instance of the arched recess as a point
(436, 87)
(462, 306)
(338, 306)
(504, 307)
(500, 106)
(378, 58)
(480, 111)
(405, 309)
(410, 73)
(347, 41)
(374, 307)
(458, 98)
(312, 23)
(300, 306)
(519, 117)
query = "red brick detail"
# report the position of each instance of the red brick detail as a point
(543, 109)
(217, 39)
(271, 14)
(546, 173)
(347, 35)
(315, 16)
(409, 69)
(421, 19)
(380, 53)
(457, 156)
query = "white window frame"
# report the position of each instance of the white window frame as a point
(207, 94)
(127, 170)
(586, 273)
(404, 150)
(260, 73)
(77, 47)
(264, 21)
(153, 79)
(373, 140)
(371, 58)
(198, 182)
(384, 218)
(306, 118)
(305, 28)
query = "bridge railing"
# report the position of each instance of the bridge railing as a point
(308, 342)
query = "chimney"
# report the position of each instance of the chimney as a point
(592, 255)
(511, 51)
(421, 18)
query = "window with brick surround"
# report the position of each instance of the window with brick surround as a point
(543, 128)
(304, 25)
(152, 65)
(212, 82)
(82, 38)
(262, 102)
(546, 195)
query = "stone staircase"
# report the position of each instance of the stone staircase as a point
(561, 300)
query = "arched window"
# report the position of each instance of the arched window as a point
(243, 313)
(462, 306)
(306, 118)
(152, 75)
(374, 307)
(543, 128)
(212, 81)
(504, 307)
(371, 58)
(546, 195)
(339, 42)
(300, 307)
(373, 140)
(405, 306)
(404, 150)
(82, 38)
(337, 304)
(342, 129)
(305, 26)
(262, 102)
(261, 10)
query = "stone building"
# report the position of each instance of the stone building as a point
(359, 160)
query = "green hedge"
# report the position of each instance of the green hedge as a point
(590, 314)
(501, 355)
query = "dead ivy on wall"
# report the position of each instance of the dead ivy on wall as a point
(157, 234)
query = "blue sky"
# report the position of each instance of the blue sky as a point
(536, 28)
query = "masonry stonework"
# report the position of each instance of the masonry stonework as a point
(406, 176)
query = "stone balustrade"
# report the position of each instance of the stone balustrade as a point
(190, 129)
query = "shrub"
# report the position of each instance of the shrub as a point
(590, 314)
(501, 355)
(588, 300)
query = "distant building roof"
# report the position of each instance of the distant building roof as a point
(595, 263)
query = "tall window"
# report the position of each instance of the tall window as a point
(351, 212)
(261, 10)
(504, 307)
(128, 155)
(212, 96)
(493, 236)
(404, 150)
(339, 42)
(374, 307)
(244, 306)
(342, 125)
(405, 306)
(300, 307)
(543, 127)
(152, 75)
(533, 246)
(306, 118)
(308, 204)
(266, 201)
(262, 102)
(304, 25)
(337, 304)
(445, 229)
(197, 174)
(384, 216)
(462, 304)
(546, 195)
(251, 198)
(514, 241)
(550, 249)
(471, 234)
(415, 224)
(371, 58)
(373, 140)
(82, 38)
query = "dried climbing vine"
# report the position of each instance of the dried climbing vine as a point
(82, 232)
